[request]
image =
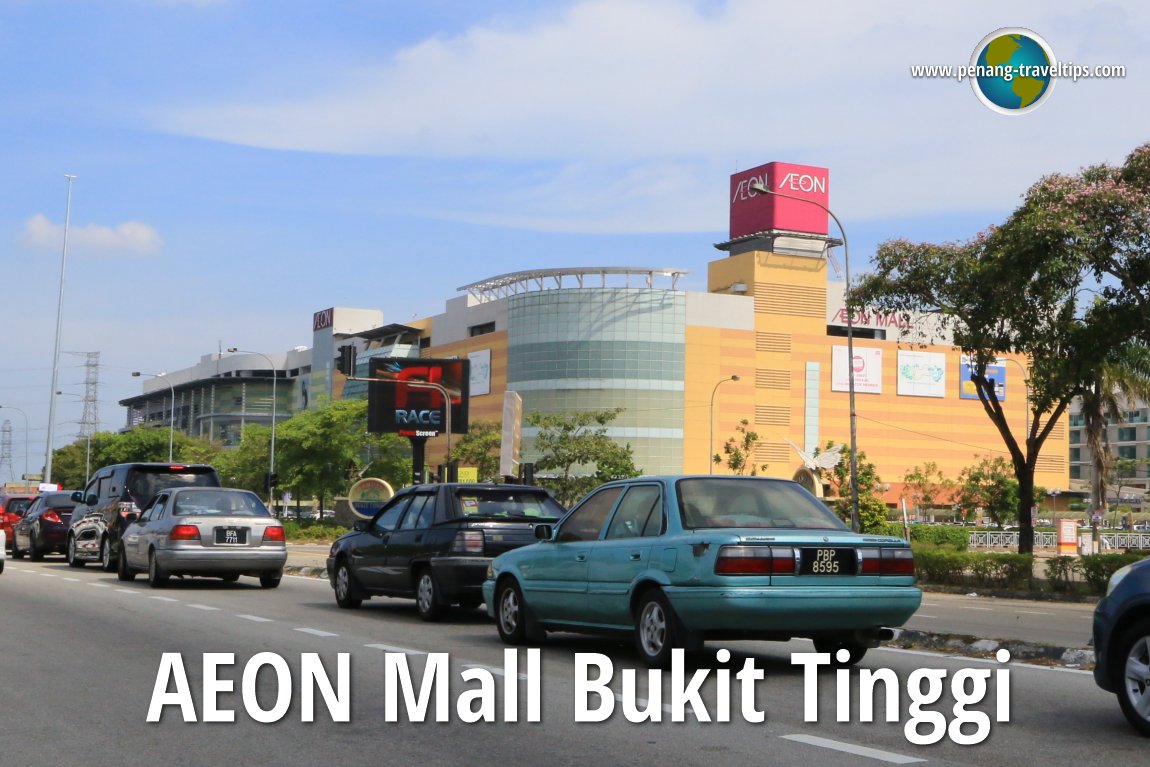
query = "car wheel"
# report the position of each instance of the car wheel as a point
(511, 613)
(35, 553)
(157, 577)
(346, 593)
(16, 553)
(427, 596)
(657, 629)
(270, 580)
(73, 560)
(856, 651)
(1133, 671)
(123, 572)
(107, 564)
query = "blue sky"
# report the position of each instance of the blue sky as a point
(242, 164)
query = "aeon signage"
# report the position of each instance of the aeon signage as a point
(753, 212)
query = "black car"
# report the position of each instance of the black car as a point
(112, 494)
(1122, 642)
(44, 527)
(434, 543)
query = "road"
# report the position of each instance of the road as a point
(81, 655)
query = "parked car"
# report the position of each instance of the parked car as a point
(1122, 642)
(433, 543)
(113, 493)
(44, 527)
(674, 561)
(203, 531)
(12, 507)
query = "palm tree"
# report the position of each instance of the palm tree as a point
(1115, 386)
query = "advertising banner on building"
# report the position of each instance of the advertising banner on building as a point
(868, 370)
(753, 211)
(397, 404)
(480, 372)
(995, 372)
(921, 374)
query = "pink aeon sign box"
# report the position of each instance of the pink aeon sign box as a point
(753, 211)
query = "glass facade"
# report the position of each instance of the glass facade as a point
(600, 348)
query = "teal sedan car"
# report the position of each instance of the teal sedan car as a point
(675, 561)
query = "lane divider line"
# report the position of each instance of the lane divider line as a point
(316, 632)
(203, 607)
(255, 618)
(849, 748)
(391, 648)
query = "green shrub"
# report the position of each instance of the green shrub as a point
(934, 565)
(938, 535)
(1097, 568)
(1060, 572)
(312, 530)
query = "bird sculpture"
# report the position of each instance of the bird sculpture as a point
(828, 459)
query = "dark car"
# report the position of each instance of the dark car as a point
(434, 543)
(112, 494)
(12, 507)
(44, 527)
(1122, 642)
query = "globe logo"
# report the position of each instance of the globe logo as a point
(1013, 70)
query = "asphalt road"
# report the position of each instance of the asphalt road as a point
(81, 653)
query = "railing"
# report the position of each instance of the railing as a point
(990, 539)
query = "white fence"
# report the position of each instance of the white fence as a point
(1009, 540)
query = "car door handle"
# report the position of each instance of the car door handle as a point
(636, 556)
(581, 557)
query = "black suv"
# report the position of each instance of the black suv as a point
(112, 494)
(434, 542)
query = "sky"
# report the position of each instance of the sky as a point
(242, 164)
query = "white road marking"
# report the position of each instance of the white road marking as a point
(1035, 612)
(100, 585)
(73, 580)
(500, 672)
(255, 618)
(48, 575)
(920, 615)
(127, 591)
(204, 607)
(165, 599)
(391, 648)
(316, 632)
(850, 748)
(984, 609)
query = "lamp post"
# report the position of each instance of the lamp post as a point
(56, 350)
(21, 412)
(760, 189)
(272, 449)
(172, 418)
(711, 441)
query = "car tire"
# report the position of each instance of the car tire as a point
(657, 629)
(832, 646)
(73, 560)
(270, 580)
(35, 553)
(16, 553)
(123, 572)
(107, 564)
(1132, 674)
(157, 576)
(427, 596)
(513, 616)
(346, 591)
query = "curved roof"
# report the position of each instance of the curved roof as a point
(513, 283)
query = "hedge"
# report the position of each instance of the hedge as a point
(938, 535)
(968, 568)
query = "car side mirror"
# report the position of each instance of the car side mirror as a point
(544, 532)
(77, 496)
(360, 525)
(132, 516)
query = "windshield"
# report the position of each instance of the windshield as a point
(744, 502)
(222, 503)
(495, 502)
(19, 505)
(145, 481)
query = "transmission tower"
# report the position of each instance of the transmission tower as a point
(90, 419)
(6, 449)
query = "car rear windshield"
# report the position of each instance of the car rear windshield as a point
(495, 502)
(730, 503)
(206, 503)
(19, 505)
(60, 502)
(145, 481)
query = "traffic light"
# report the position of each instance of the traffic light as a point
(271, 479)
(346, 363)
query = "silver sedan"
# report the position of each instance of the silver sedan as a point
(220, 532)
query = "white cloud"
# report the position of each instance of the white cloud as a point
(128, 237)
(611, 92)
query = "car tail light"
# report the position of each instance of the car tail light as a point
(755, 560)
(468, 542)
(184, 533)
(51, 516)
(274, 533)
(887, 562)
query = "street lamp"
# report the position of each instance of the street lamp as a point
(711, 441)
(21, 412)
(272, 461)
(172, 419)
(56, 350)
(760, 189)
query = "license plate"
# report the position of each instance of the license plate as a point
(231, 536)
(829, 562)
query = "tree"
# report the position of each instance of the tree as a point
(577, 447)
(872, 510)
(479, 447)
(1020, 288)
(989, 485)
(927, 485)
(739, 450)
